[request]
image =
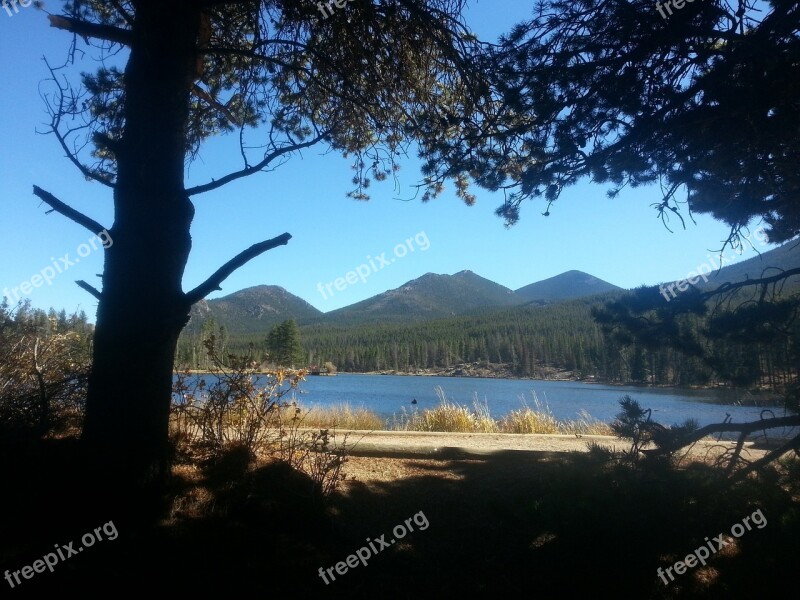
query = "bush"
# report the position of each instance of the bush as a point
(241, 411)
(44, 369)
(330, 368)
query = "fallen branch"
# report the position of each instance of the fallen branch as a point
(743, 428)
(792, 444)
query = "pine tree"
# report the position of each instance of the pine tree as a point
(283, 344)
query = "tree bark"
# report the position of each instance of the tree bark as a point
(142, 307)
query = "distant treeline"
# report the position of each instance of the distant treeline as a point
(530, 340)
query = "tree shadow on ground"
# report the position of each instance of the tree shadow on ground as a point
(502, 525)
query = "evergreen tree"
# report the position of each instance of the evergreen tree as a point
(283, 344)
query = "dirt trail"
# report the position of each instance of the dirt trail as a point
(454, 445)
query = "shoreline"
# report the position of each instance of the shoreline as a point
(759, 397)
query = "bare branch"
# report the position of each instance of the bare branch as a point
(743, 428)
(213, 283)
(792, 444)
(89, 288)
(201, 93)
(121, 10)
(69, 212)
(218, 183)
(210, 3)
(91, 30)
(727, 287)
(55, 124)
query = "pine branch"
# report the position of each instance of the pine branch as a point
(218, 183)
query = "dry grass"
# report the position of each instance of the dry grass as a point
(540, 419)
(526, 420)
(342, 416)
(452, 417)
(448, 417)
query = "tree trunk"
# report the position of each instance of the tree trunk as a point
(143, 308)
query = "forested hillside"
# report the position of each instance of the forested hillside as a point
(399, 330)
(531, 341)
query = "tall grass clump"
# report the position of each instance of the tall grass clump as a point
(343, 416)
(540, 419)
(449, 416)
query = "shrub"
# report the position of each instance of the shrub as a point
(241, 409)
(44, 368)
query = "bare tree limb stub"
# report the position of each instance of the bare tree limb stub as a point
(69, 212)
(91, 30)
(89, 288)
(215, 281)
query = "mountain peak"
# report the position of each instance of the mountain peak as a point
(430, 296)
(567, 285)
(252, 309)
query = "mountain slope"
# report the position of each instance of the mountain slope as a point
(569, 285)
(767, 264)
(252, 310)
(431, 296)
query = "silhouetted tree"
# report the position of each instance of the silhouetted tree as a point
(365, 83)
(702, 101)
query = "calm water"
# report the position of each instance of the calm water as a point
(389, 394)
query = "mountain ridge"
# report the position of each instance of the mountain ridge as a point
(433, 296)
(430, 296)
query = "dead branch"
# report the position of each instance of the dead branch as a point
(792, 444)
(217, 183)
(91, 30)
(742, 428)
(213, 283)
(89, 288)
(69, 212)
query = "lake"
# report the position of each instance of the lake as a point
(389, 394)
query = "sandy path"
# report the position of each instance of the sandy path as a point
(455, 445)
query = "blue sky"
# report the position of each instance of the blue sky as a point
(620, 240)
